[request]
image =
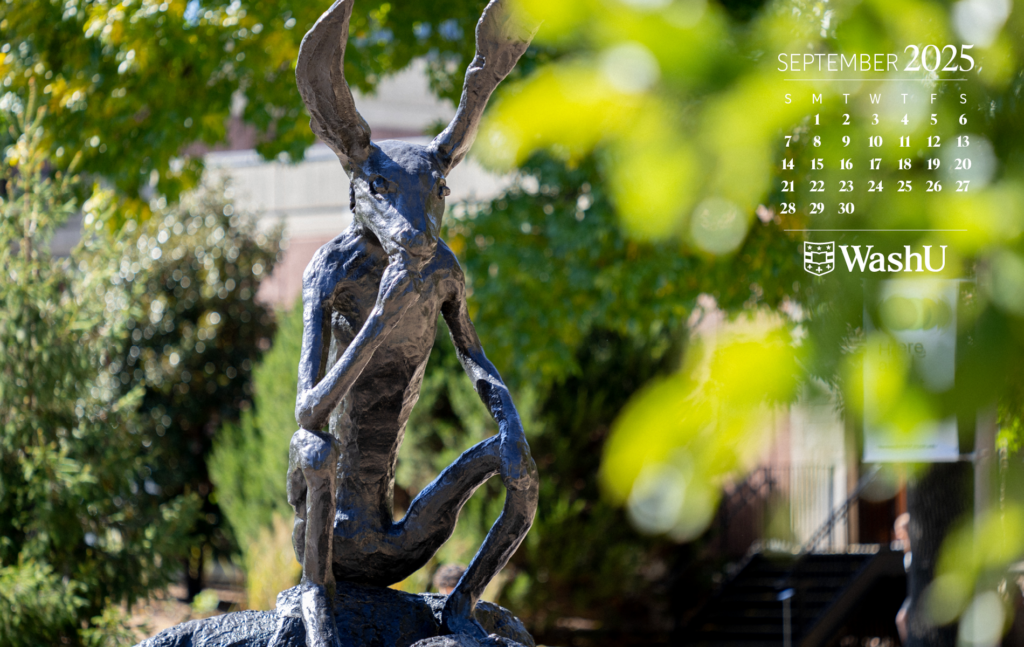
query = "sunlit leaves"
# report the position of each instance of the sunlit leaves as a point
(971, 577)
(636, 90)
(137, 84)
(570, 107)
(679, 439)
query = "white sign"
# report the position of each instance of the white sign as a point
(919, 317)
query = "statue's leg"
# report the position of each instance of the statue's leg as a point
(431, 520)
(296, 484)
(312, 472)
(500, 544)
(313, 458)
(431, 517)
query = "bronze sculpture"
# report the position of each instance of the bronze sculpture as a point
(371, 299)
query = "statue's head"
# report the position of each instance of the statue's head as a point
(398, 188)
(398, 193)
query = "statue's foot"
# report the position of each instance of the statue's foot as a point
(457, 618)
(318, 617)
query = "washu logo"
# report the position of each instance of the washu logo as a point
(819, 257)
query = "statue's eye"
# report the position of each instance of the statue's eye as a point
(380, 185)
(444, 191)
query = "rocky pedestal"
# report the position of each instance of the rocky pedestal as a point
(365, 617)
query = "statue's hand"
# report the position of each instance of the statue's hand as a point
(518, 469)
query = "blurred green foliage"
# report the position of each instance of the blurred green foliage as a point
(34, 600)
(976, 574)
(690, 132)
(974, 560)
(583, 558)
(79, 533)
(554, 242)
(684, 108)
(709, 421)
(547, 263)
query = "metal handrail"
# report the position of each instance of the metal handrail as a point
(838, 514)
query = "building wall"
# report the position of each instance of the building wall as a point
(818, 465)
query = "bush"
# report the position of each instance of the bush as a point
(194, 334)
(79, 533)
(249, 462)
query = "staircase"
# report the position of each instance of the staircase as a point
(832, 595)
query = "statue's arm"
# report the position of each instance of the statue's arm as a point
(317, 398)
(310, 359)
(517, 466)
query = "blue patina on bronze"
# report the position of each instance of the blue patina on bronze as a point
(371, 301)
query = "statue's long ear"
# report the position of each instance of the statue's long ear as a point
(320, 75)
(501, 38)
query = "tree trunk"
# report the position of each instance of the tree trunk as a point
(194, 574)
(936, 501)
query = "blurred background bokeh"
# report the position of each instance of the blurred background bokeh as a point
(696, 402)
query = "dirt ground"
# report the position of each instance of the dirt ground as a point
(167, 608)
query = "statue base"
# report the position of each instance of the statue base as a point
(366, 616)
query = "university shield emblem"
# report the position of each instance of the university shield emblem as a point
(819, 258)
